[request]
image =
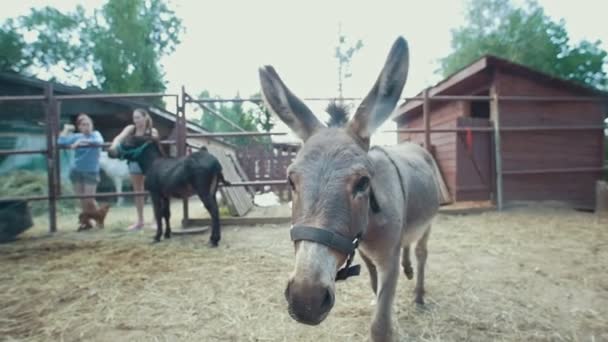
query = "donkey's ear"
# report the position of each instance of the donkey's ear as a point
(381, 100)
(284, 104)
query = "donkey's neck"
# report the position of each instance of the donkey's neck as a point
(147, 158)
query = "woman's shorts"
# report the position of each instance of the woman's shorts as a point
(134, 168)
(84, 177)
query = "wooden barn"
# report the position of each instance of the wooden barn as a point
(558, 157)
(22, 127)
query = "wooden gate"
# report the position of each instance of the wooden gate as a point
(268, 162)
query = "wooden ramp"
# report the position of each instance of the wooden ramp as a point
(238, 198)
(190, 231)
(445, 191)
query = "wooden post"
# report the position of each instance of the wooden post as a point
(601, 199)
(182, 131)
(51, 152)
(427, 119)
(495, 116)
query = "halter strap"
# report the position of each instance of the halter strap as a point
(334, 241)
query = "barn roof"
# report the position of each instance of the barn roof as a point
(36, 83)
(459, 83)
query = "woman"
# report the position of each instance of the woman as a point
(142, 126)
(84, 173)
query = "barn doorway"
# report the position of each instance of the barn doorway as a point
(474, 176)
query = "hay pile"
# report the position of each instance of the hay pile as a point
(529, 275)
(34, 183)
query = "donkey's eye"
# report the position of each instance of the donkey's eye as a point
(291, 184)
(362, 185)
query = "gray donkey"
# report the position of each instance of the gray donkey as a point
(348, 196)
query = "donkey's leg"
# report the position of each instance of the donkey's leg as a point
(373, 273)
(421, 254)
(388, 274)
(167, 216)
(406, 263)
(206, 192)
(210, 203)
(157, 204)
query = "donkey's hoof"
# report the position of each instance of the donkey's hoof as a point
(156, 239)
(419, 298)
(212, 244)
(409, 273)
(167, 235)
(425, 307)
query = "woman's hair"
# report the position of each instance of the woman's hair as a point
(82, 116)
(147, 118)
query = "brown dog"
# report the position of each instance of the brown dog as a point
(99, 216)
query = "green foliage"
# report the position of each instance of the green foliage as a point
(120, 44)
(527, 36)
(254, 118)
(12, 49)
(136, 34)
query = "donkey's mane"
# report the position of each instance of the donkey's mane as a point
(338, 114)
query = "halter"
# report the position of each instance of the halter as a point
(339, 242)
(333, 241)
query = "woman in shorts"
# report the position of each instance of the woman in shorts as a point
(141, 126)
(84, 172)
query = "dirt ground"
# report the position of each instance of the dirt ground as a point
(527, 274)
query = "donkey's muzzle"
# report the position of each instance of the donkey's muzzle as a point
(309, 303)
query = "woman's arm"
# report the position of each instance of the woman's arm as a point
(119, 138)
(66, 137)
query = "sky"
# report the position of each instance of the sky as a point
(225, 42)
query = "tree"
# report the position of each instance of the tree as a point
(253, 119)
(129, 45)
(12, 47)
(119, 45)
(527, 36)
(263, 119)
(344, 54)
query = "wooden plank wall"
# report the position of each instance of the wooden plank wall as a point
(443, 116)
(549, 149)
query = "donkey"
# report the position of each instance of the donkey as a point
(347, 196)
(198, 173)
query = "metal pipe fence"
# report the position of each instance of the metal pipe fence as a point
(52, 108)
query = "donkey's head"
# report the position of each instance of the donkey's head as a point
(330, 180)
(141, 149)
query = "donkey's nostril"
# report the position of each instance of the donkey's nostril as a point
(328, 301)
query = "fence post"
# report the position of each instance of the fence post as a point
(495, 115)
(57, 154)
(427, 119)
(182, 131)
(51, 152)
